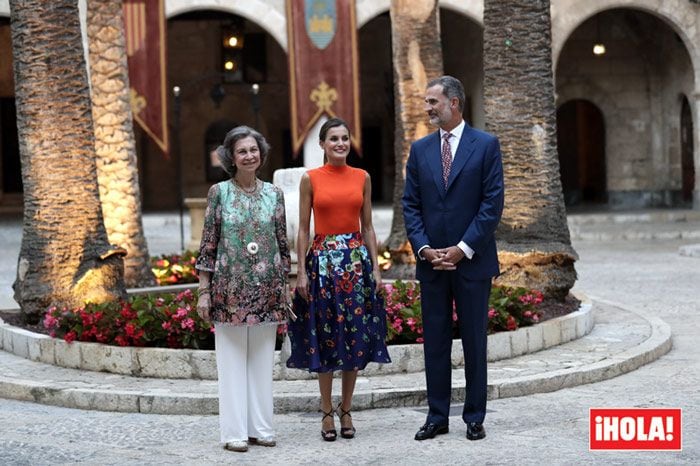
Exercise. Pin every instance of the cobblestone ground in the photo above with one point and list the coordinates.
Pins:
(547, 428)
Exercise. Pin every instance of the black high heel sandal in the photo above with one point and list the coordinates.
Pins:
(345, 432)
(331, 434)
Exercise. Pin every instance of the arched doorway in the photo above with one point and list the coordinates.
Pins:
(581, 147)
(633, 65)
(462, 55)
(198, 53)
(377, 88)
(687, 165)
(377, 106)
(10, 169)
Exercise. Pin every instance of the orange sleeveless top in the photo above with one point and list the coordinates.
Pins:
(338, 193)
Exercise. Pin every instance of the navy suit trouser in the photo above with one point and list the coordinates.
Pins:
(471, 299)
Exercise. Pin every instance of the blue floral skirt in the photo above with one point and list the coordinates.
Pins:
(343, 325)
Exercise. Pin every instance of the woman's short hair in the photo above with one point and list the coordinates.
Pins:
(332, 123)
(225, 151)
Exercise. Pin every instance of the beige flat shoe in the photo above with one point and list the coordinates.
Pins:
(263, 442)
(237, 445)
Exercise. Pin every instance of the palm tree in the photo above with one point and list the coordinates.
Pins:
(65, 258)
(519, 105)
(417, 58)
(117, 171)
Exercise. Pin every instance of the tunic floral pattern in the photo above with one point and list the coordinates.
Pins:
(248, 282)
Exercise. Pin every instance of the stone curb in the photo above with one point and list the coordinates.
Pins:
(652, 216)
(163, 401)
(168, 363)
(689, 233)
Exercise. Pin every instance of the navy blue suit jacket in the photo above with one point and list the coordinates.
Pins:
(468, 210)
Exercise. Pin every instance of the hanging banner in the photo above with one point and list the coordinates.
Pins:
(323, 66)
(144, 28)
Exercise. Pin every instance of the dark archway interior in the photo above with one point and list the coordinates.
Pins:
(687, 165)
(581, 147)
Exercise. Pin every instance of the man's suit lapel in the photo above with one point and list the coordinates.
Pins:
(435, 162)
(464, 150)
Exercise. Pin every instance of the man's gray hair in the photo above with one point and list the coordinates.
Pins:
(225, 151)
(451, 87)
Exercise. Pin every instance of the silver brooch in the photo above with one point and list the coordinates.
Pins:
(252, 248)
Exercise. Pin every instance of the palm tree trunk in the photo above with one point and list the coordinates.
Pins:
(65, 258)
(417, 58)
(117, 171)
(519, 105)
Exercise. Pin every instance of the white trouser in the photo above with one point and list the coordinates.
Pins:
(244, 359)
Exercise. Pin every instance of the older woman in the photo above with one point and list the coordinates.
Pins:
(243, 267)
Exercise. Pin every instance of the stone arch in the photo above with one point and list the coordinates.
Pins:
(568, 15)
(258, 11)
(368, 9)
(643, 79)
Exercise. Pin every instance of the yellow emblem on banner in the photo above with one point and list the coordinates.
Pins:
(322, 24)
(324, 96)
(138, 102)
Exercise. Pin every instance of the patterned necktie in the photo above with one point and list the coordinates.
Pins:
(446, 157)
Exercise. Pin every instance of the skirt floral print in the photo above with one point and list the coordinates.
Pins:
(343, 325)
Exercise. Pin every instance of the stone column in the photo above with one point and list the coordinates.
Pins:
(288, 180)
(313, 154)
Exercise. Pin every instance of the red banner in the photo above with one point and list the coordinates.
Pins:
(323, 66)
(144, 27)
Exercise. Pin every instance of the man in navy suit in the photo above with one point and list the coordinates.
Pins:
(452, 203)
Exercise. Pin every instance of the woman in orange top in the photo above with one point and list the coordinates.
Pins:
(341, 320)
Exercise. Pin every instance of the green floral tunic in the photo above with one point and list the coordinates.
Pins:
(244, 245)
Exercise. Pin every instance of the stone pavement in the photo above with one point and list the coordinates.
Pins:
(649, 277)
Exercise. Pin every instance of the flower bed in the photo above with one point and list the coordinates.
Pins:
(170, 320)
(165, 320)
(509, 309)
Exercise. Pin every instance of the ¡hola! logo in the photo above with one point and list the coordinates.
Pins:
(635, 429)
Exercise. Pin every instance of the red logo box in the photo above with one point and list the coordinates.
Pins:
(635, 429)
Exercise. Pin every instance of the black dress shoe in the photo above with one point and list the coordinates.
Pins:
(430, 431)
(475, 431)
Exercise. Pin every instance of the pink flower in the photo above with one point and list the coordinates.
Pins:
(419, 340)
(50, 321)
(166, 325)
(181, 312)
(188, 324)
(492, 313)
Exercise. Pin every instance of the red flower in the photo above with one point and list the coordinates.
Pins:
(346, 285)
(70, 336)
(511, 324)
